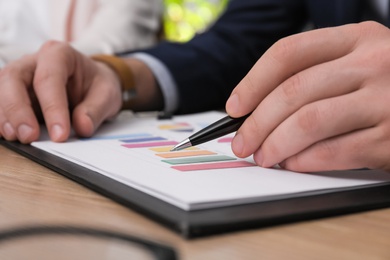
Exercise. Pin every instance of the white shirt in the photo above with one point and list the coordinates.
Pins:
(96, 26)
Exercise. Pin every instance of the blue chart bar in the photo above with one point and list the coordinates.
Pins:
(145, 139)
(116, 137)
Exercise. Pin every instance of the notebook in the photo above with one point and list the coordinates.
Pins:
(129, 158)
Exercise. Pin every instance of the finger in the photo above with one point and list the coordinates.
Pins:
(102, 101)
(288, 57)
(366, 148)
(7, 130)
(315, 83)
(55, 65)
(3, 128)
(316, 122)
(17, 118)
(2, 120)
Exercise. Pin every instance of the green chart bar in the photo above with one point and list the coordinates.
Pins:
(202, 159)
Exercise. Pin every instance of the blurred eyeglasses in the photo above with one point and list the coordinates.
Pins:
(63, 243)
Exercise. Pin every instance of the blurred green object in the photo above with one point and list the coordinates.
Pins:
(184, 18)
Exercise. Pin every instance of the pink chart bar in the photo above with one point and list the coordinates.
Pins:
(152, 144)
(225, 140)
(212, 166)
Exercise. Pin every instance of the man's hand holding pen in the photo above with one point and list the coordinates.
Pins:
(310, 96)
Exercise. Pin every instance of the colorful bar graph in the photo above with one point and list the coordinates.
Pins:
(189, 159)
(213, 166)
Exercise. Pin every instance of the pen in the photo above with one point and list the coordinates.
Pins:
(220, 128)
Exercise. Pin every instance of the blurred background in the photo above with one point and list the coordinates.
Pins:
(184, 18)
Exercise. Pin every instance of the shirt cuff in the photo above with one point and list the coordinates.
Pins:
(164, 79)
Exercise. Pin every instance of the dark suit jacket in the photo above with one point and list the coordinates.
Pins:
(207, 68)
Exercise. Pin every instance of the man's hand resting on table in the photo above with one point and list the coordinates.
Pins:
(60, 86)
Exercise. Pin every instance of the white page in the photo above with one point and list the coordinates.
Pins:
(142, 169)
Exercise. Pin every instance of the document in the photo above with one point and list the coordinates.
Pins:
(134, 149)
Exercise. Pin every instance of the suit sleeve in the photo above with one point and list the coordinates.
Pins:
(207, 68)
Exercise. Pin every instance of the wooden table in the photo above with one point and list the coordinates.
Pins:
(31, 194)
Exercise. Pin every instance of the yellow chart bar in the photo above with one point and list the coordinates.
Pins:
(185, 154)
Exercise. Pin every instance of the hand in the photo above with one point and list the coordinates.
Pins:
(61, 86)
(320, 101)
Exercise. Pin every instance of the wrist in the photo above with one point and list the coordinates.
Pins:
(149, 96)
(124, 75)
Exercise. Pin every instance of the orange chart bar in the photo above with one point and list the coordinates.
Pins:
(185, 154)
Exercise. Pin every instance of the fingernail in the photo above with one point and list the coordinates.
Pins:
(238, 144)
(9, 131)
(233, 104)
(258, 157)
(24, 132)
(56, 132)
